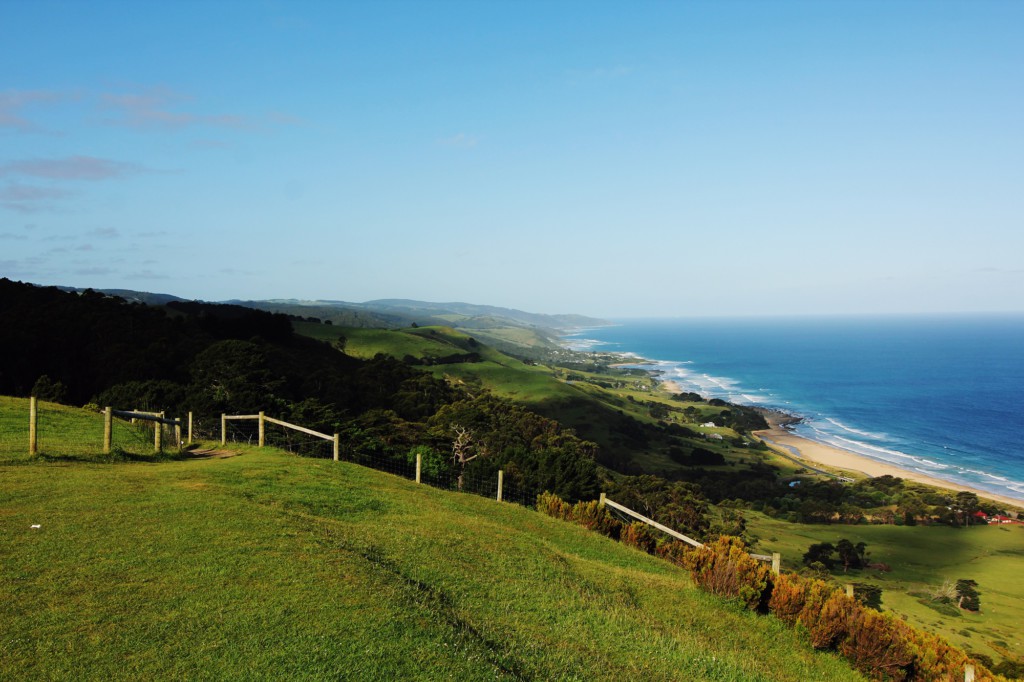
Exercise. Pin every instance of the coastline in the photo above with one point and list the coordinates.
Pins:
(797, 447)
(844, 460)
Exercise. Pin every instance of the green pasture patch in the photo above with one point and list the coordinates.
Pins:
(366, 343)
(268, 566)
(921, 558)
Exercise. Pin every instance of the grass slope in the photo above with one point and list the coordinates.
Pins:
(921, 558)
(265, 566)
(594, 403)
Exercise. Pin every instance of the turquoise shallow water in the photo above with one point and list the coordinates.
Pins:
(940, 395)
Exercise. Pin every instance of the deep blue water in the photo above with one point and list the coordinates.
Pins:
(940, 395)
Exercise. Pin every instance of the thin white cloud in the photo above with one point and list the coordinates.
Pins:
(71, 168)
(14, 102)
(162, 109)
(29, 198)
(19, 192)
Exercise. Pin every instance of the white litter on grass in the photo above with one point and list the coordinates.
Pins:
(36, 525)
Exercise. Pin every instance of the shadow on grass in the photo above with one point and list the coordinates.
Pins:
(116, 456)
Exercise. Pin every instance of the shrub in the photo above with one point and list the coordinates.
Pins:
(674, 551)
(552, 505)
(724, 567)
(876, 645)
(592, 516)
(935, 659)
(833, 622)
(816, 593)
(1011, 669)
(638, 535)
(789, 593)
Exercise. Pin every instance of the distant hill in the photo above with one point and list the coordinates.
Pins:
(508, 329)
(430, 313)
(559, 322)
(131, 296)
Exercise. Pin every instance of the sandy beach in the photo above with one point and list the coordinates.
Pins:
(837, 458)
(671, 386)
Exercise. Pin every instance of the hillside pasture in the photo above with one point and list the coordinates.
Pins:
(921, 559)
(267, 566)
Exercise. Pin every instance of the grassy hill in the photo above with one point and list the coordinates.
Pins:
(264, 565)
(921, 559)
(602, 403)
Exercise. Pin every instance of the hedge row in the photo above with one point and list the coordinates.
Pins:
(879, 645)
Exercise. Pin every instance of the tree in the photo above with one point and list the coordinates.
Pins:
(965, 504)
(49, 390)
(967, 594)
(820, 552)
(847, 554)
(463, 449)
(236, 375)
(912, 507)
(868, 595)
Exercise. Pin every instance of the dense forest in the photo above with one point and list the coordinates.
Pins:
(88, 347)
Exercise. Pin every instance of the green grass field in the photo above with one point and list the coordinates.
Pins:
(266, 566)
(921, 558)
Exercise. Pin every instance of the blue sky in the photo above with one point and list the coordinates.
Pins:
(612, 159)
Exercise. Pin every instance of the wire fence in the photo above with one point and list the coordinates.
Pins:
(477, 478)
(72, 433)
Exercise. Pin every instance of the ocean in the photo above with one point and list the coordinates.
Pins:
(942, 395)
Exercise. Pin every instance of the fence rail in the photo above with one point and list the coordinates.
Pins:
(263, 419)
(33, 427)
(775, 558)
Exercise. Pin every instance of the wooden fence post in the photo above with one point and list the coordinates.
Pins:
(108, 429)
(419, 466)
(158, 434)
(33, 421)
(223, 429)
(263, 430)
(849, 590)
(601, 501)
(337, 447)
(501, 481)
(177, 434)
(776, 563)
(190, 428)
(969, 672)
